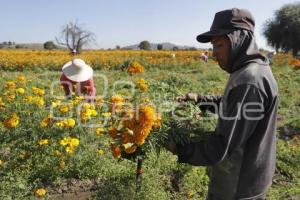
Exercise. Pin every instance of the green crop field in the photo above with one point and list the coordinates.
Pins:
(27, 164)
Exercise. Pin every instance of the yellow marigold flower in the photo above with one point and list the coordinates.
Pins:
(28, 99)
(56, 103)
(86, 106)
(94, 113)
(142, 85)
(117, 99)
(99, 131)
(46, 122)
(74, 142)
(64, 141)
(20, 90)
(38, 91)
(64, 109)
(60, 124)
(43, 142)
(38, 101)
(21, 79)
(41, 192)
(70, 123)
(99, 101)
(10, 85)
(100, 152)
(11, 97)
(1, 162)
(70, 143)
(69, 149)
(12, 121)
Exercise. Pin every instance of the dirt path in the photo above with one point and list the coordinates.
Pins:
(72, 196)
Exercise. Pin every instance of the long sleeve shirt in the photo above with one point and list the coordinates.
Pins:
(82, 88)
(242, 150)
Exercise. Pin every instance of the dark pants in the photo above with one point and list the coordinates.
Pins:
(213, 197)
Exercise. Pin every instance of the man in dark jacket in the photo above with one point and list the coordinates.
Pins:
(242, 151)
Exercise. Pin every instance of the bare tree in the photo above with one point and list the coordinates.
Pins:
(74, 37)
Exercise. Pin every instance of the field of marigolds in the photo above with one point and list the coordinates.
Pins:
(111, 147)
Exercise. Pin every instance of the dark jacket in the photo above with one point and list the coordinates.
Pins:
(242, 150)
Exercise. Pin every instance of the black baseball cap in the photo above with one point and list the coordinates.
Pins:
(227, 21)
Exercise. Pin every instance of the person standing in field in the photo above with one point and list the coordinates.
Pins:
(204, 56)
(77, 77)
(242, 150)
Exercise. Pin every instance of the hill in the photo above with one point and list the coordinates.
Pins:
(166, 45)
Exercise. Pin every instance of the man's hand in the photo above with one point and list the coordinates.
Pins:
(187, 97)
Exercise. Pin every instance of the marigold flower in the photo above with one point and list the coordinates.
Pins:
(38, 91)
(12, 121)
(135, 67)
(20, 90)
(41, 192)
(117, 99)
(100, 152)
(142, 85)
(129, 148)
(43, 142)
(112, 132)
(99, 131)
(21, 79)
(116, 150)
(46, 122)
(64, 109)
(10, 85)
(70, 123)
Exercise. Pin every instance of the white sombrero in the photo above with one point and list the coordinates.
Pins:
(77, 70)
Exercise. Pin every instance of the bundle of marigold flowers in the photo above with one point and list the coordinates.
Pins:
(130, 134)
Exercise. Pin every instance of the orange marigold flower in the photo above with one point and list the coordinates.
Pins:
(116, 150)
(135, 67)
(131, 149)
(112, 132)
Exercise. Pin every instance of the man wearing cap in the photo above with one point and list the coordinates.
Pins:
(242, 151)
(76, 72)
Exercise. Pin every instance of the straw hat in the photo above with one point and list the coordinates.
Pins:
(76, 70)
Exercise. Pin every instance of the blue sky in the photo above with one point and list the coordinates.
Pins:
(124, 22)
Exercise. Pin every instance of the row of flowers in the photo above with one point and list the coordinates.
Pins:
(54, 60)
